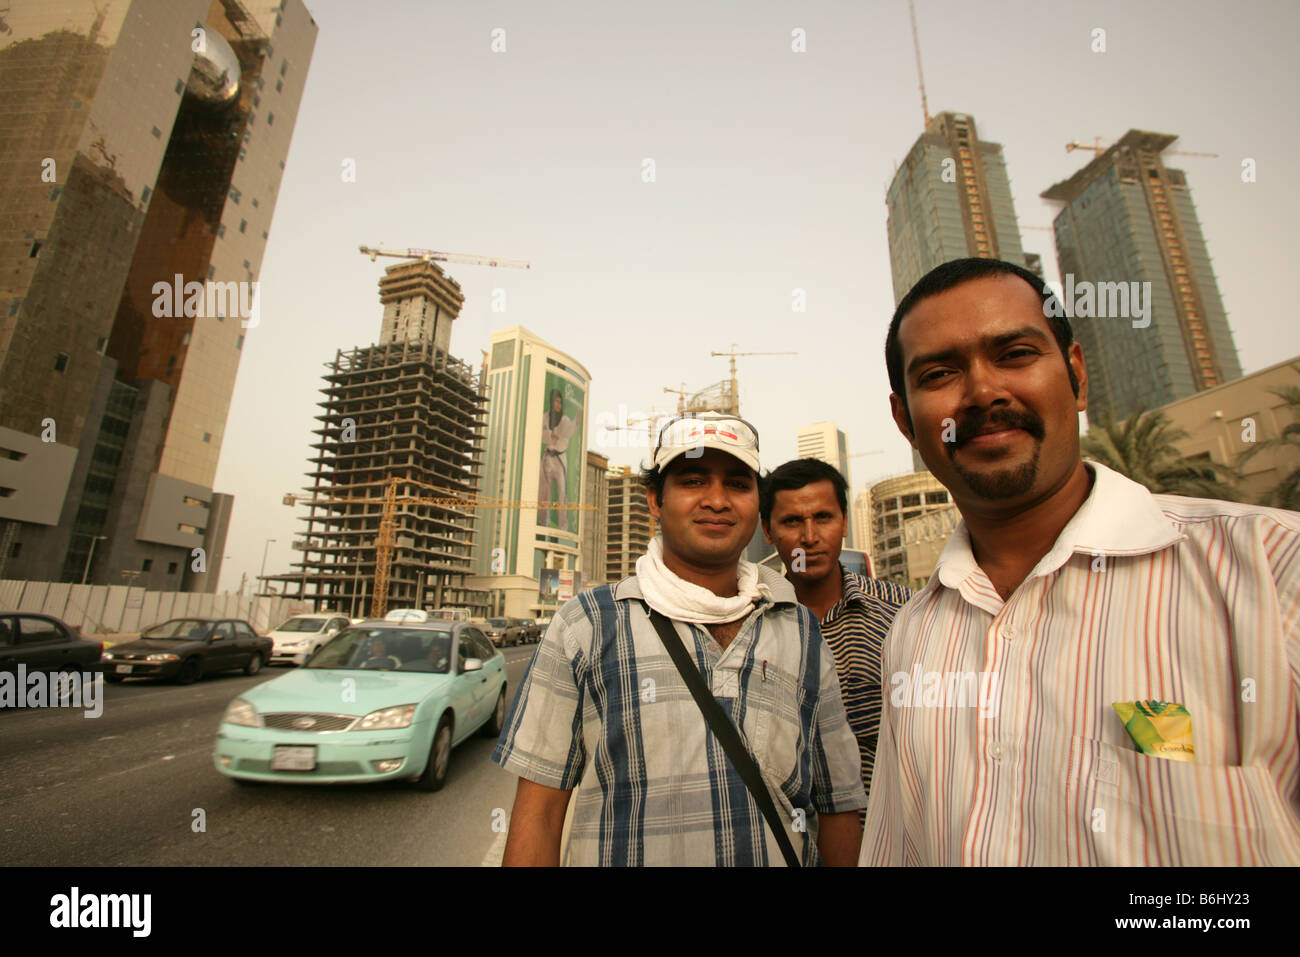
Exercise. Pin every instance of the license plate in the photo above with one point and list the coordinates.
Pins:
(293, 759)
(122, 669)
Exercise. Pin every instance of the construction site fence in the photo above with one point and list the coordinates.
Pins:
(108, 610)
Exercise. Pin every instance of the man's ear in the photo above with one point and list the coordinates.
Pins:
(1080, 374)
(767, 533)
(901, 418)
(652, 501)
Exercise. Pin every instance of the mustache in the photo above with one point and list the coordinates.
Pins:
(970, 426)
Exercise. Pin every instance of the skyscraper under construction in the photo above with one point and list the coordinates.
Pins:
(951, 198)
(1126, 220)
(404, 409)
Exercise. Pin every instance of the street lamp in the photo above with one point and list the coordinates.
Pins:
(86, 572)
(262, 577)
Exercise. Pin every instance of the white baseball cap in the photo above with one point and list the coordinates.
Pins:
(693, 433)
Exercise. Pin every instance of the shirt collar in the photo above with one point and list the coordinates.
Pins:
(1119, 517)
(852, 587)
(782, 590)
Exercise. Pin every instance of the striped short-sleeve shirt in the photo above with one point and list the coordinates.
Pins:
(603, 708)
(999, 740)
(855, 629)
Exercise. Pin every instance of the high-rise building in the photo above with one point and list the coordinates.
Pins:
(950, 199)
(536, 450)
(1129, 220)
(893, 502)
(822, 440)
(631, 526)
(403, 409)
(594, 523)
(861, 521)
(141, 151)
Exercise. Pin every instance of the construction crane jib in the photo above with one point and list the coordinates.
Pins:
(735, 386)
(433, 255)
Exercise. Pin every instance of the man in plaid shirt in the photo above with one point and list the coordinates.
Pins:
(603, 708)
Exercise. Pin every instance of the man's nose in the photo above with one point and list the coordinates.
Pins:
(809, 531)
(985, 385)
(715, 496)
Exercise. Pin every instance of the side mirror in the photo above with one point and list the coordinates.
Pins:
(472, 664)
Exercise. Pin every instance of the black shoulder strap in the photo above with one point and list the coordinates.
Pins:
(725, 732)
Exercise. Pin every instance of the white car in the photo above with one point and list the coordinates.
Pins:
(297, 639)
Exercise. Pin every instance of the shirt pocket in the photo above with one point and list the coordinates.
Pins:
(1131, 808)
(774, 724)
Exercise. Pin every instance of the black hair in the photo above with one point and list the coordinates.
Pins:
(652, 479)
(795, 475)
(953, 273)
(552, 417)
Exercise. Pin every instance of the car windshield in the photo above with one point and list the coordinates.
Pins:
(178, 629)
(498, 623)
(310, 625)
(425, 650)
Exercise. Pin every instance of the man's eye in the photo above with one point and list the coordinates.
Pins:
(1020, 352)
(934, 375)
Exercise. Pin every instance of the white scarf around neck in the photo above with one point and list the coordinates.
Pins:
(676, 598)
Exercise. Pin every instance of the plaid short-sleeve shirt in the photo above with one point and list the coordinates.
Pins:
(603, 708)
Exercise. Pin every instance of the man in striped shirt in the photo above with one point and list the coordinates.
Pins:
(603, 709)
(804, 507)
(1066, 590)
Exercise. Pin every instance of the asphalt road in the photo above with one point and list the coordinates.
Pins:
(124, 789)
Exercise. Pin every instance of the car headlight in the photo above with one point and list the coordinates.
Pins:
(106, 656)
(241, 712)
(163, 656)
(400, 716)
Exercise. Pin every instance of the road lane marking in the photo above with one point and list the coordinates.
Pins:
(496, 852)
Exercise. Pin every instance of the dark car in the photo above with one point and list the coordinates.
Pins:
(186, 649)
(532, 629)
(44, 643)
(504, 632)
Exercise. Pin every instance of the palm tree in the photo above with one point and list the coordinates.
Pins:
(1286, 494)
(1143, 447)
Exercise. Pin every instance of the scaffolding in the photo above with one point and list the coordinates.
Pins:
(403, 410)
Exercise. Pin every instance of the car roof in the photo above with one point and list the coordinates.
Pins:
(433, 624)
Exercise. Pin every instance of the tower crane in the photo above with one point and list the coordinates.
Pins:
(681, 397)
(735, 387)
(429, 255)
(916, 48)
(635, 421)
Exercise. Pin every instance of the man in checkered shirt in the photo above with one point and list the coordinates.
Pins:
(603, 709)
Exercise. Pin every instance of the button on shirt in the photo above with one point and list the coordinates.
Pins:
(855, 629)
(999, 743)
(603, 707)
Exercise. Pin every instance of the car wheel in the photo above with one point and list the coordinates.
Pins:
(435, 772)
(189, 672)
(254, 664)
(494, 725)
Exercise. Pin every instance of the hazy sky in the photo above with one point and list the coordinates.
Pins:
(771, 168)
